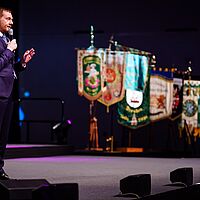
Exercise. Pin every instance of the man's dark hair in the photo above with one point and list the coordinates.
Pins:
(4, 9)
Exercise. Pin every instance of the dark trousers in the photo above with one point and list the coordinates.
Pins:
(6, 107)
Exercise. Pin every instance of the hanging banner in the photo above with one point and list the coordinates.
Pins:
(161, 94)
(177, 97)
(114, 74)
(191, 104)
(90, 81)
(136, 72)
(133, 110)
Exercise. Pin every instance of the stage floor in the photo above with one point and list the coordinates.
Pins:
(98, 176)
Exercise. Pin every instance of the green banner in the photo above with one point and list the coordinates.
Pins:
(90, 82)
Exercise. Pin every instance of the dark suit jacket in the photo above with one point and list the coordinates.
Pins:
(7, 66)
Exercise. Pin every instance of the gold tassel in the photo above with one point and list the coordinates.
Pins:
(196, 133)
(180, 129)
(107, 109)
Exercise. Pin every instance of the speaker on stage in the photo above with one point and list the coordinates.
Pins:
(15, 189)
(182, 175)
(139, 184)
(191, 192)
(37, 189)
(60, 191)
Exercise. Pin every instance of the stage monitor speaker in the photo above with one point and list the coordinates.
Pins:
(16, 189)
(60, 191)
(139, 184)
(191, 192)
(183, 175)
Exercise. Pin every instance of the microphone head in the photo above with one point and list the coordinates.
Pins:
(10, 32)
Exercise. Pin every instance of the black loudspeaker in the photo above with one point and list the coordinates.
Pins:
(191, 192)
(61, 191)
(139, 184)
(183, 175)
(20, 189)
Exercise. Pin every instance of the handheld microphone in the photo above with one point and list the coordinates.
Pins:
(10, 32)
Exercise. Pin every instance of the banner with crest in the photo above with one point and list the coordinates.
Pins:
(177, 97)
(114, 74)
(133, 110)
(161, 94)
(90, 76)
(191, 105)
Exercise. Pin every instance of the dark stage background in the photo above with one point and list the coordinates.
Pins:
(170, 30)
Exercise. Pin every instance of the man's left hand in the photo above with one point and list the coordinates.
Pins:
(28, 56)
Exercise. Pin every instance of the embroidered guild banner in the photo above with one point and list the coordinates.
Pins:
(133, 110)
(191, 100)
(90, 81)
(114, 74)
(161, 94)
(177, 97)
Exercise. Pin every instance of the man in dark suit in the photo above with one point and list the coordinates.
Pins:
(8, 67)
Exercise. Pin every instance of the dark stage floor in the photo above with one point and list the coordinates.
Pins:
(97, 175)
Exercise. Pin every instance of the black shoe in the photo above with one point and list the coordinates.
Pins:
(4, 176)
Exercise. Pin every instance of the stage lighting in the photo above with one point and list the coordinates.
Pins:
(60, 130)
(182, 175)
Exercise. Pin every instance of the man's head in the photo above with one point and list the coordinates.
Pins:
(6, 20)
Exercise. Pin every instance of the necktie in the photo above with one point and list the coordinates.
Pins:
(5, 39)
